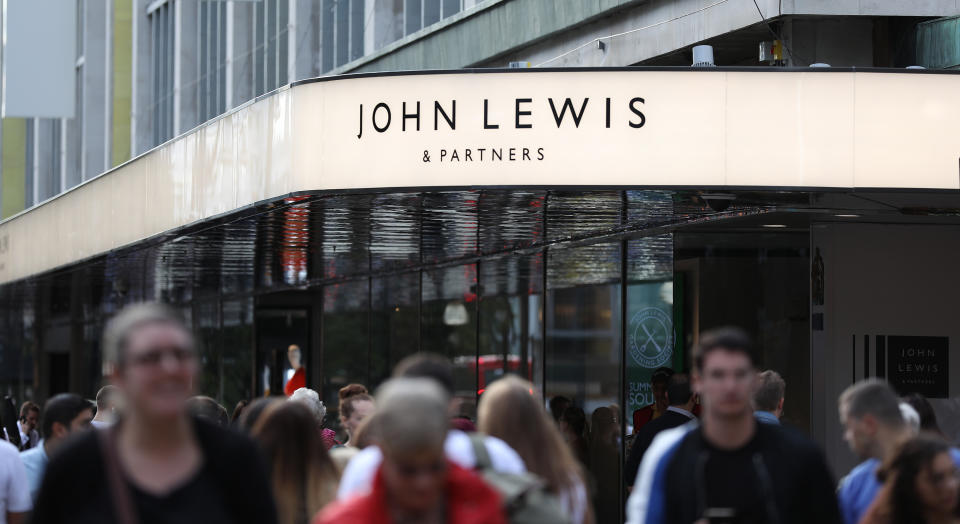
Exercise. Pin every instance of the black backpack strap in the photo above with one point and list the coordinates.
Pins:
(480, 451)
(120, 496)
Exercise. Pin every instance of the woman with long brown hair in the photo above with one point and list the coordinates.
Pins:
(510, 411)
(921, 485)
(303, 475)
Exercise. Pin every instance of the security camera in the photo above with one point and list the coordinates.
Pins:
(718, 201)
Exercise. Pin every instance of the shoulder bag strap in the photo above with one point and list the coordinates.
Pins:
(119, 491)
(480, 451)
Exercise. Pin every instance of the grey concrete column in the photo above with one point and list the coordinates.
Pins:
(241, 54)
(141, 115)
(94, 78)
(305, 38)
(186, 66)
(73, 136)
(327, 35)
(46, 181)
(387, 25)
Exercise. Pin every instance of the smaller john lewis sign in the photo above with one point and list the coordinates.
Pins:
(919, 365)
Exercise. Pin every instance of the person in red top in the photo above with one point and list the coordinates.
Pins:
(658, 385)
(416, 483)
(299, 378)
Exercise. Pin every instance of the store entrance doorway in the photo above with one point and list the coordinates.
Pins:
(277, 331)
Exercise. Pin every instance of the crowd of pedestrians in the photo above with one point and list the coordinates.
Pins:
(710, 449)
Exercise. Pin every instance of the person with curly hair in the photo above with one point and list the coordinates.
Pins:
(356, 404)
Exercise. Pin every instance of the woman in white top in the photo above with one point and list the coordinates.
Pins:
(511, 411)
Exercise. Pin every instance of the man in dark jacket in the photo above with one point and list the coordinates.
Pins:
(730, 468)
(681, 401)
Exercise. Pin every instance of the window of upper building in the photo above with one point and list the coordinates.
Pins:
(162, 31)
(212, 63)
(271, 49)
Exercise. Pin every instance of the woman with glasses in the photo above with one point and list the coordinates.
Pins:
(920, 485)
(157, 463)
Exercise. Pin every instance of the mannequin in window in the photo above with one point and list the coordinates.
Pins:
(299, 378)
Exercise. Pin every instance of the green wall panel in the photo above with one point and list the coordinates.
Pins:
(938, 43)
(122, 79)
(14, 166)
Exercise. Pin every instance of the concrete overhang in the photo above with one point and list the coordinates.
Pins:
(587, 128)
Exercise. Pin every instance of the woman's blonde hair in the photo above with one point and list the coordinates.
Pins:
(303, 475)
(510, 410)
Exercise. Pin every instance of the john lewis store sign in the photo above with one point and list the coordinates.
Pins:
(646, 128)
(565, 110)
(627, 128)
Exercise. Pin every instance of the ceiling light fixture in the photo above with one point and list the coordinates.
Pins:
(847, 216)
(778, 226)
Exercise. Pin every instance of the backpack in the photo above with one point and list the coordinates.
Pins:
(525, 497)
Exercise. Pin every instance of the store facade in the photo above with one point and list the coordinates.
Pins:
(576, 227)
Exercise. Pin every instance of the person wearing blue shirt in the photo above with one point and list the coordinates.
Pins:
(768, 398)
(874, 428)
(62, 415)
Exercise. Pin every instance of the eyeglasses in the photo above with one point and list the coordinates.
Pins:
(155, 357)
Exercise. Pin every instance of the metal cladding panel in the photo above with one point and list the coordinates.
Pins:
(39, 58)
(628, 129)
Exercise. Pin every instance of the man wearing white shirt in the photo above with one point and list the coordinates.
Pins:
(362, 468)
(14, 493)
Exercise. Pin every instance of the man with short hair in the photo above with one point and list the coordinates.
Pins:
(416, 481)
(558, 405)
(658, 387)
(27, 424)
(874, 428)
(681, 401)
(730, 468)
(62, 415)
(768, 399)
(106, 415)
(358, 477)
(208, 409)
